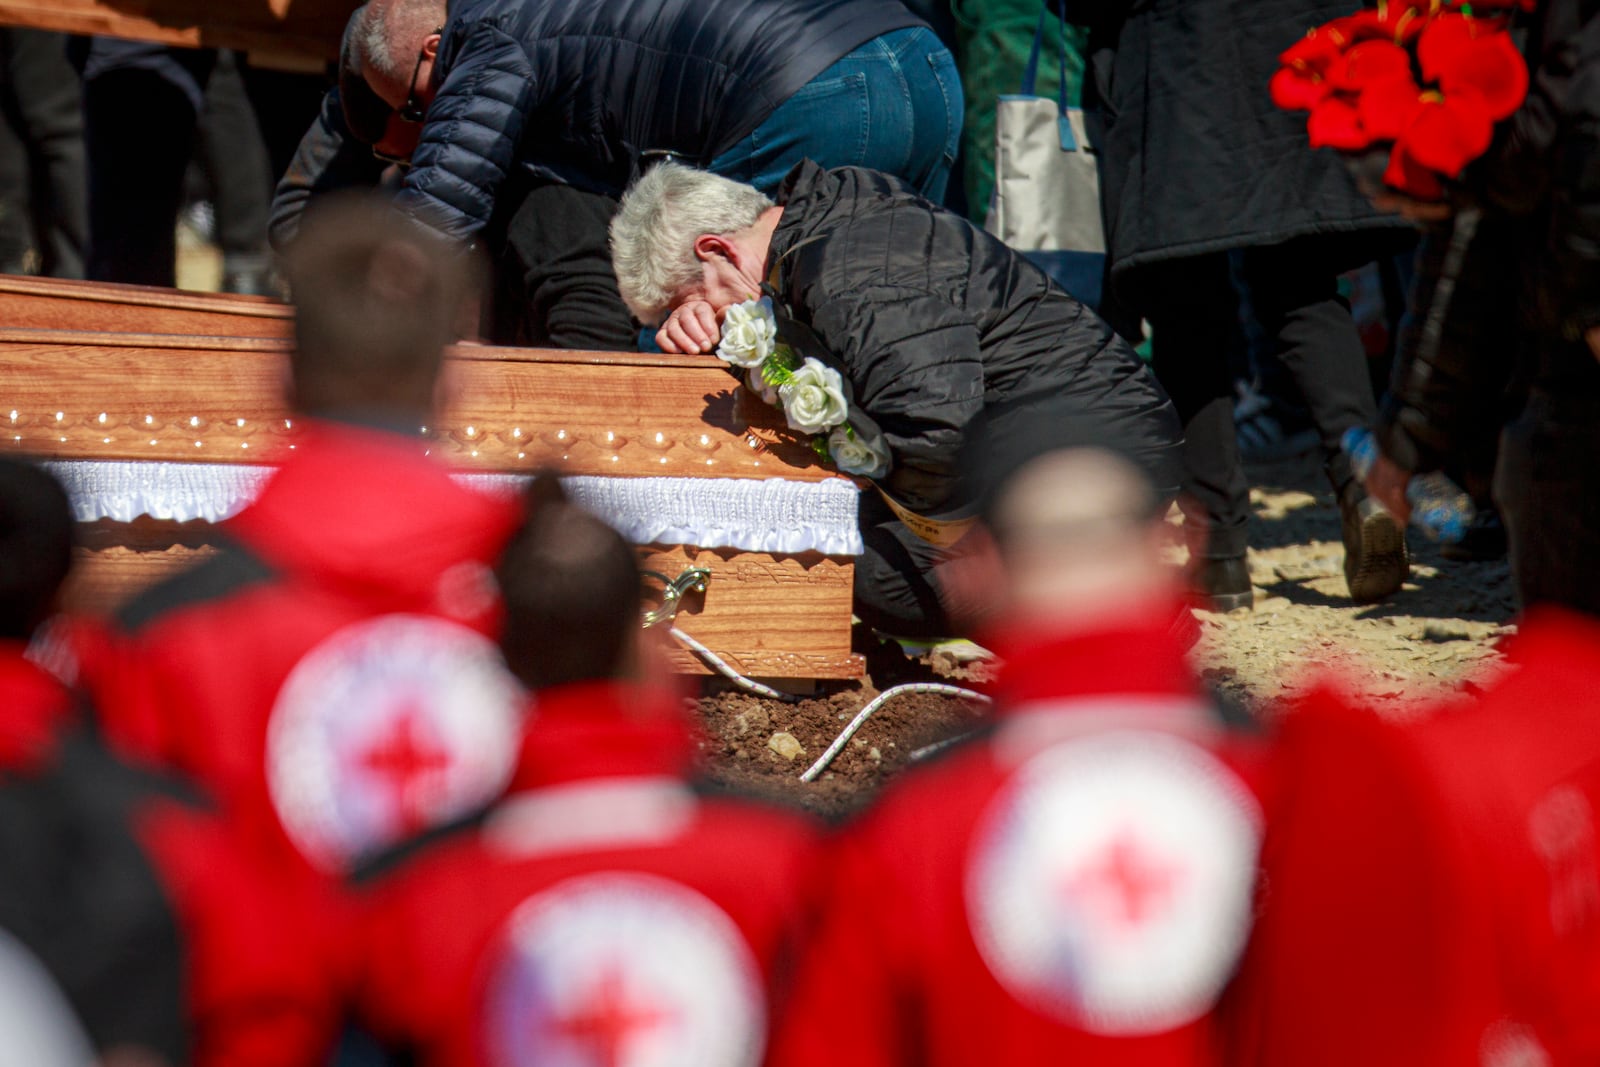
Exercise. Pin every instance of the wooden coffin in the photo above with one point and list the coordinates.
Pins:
(56, 304)
(214, 403)
(293, 34)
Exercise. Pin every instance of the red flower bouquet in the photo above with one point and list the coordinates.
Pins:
(1426, 79)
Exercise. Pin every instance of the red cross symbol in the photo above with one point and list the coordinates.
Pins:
(1134, 883)
(403, 758)
(609, 1020)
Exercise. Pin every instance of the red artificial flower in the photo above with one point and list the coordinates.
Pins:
(1404, 174)
(1301, 81)
(1367, 62)
(1448, 132)
(1334, 123)
(1463, 53)
(1388, 104)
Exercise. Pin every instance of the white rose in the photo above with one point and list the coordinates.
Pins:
(758, 385)
(813, 398)
(859, 454)
(749, 334)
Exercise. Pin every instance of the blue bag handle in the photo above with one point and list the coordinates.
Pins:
(1030, 73)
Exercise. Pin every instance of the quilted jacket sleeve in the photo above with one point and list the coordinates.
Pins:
(912, 358)
(327, 158)
(470, 139)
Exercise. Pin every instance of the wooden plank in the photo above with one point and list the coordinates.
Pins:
(72, 395)
(56, 304)
(768, 616)
(301, 34)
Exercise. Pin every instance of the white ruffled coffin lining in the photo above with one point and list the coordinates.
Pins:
(754, 515)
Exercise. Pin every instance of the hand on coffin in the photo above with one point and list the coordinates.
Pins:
(691, 328)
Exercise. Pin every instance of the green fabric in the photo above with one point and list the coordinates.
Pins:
(993, 38)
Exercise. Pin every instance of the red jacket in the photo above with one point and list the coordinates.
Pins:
(1439, 877)
(1074, 888)
(329, 676)
(603, 910)
(36, 706)
(149, 886)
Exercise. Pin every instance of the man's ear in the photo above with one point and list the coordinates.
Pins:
(710, 246)
(430, 44)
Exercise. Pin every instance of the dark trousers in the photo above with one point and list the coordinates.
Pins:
(141, 108)
(554, 284)
(235, 161)
(895, 590)
(43, 203)
(1547, 483)
(1192, 307)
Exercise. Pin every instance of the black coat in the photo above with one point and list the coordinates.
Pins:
(934, 322)
(1195, 156)
(1530, 237)
(580, 89)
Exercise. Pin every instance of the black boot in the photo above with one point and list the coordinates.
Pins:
(1223, 585)
(1375, 558)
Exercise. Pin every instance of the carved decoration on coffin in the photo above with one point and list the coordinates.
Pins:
(156, 397)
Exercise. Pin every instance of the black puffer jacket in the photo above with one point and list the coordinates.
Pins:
(580, 88)
(933, 322)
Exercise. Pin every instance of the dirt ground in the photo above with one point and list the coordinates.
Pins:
(1441, 628)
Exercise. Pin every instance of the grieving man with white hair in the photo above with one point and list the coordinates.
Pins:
(892, 326)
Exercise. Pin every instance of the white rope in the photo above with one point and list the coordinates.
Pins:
(720, 665)
(865, 713)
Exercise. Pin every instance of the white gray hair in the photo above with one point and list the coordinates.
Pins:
(653, 233)
(391, 31)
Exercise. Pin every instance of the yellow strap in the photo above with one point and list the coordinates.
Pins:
(941, 533)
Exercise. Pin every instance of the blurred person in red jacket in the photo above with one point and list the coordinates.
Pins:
(166, 937)
(604, 912)
(331, 675)
(1435, 898)
(1075, 885)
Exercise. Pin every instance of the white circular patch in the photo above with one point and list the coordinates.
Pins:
(387, 728)
(622, 970)
(1110, 884)
(39, 1025)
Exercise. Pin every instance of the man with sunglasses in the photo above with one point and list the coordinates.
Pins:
(518, 124)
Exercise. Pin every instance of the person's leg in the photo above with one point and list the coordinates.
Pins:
(235, 161)
(1296, 291)
(16, 232)
(139, 128)
(555, 282)
(1548, 485)
(893, 104)
(895, 591)
(1191, 305)
(49, 103)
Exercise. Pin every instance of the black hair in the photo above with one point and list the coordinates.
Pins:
(36, 534)
(572, 594)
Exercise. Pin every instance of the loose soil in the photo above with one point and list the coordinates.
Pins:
(1440, 629)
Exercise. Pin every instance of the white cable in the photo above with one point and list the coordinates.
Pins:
(865, 713)
(719, 665)
(939, 746)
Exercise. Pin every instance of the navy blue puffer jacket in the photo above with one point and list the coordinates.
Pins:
(579, 89)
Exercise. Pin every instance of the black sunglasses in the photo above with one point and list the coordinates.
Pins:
(413, 110)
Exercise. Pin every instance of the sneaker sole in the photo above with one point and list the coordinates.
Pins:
(1383, 564)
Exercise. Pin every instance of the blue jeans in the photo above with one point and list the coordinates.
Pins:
(894, 105)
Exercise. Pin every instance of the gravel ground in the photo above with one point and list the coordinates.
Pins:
(1443, 625)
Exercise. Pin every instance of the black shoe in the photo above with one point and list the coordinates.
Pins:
(1223, 585)
(1375, 559)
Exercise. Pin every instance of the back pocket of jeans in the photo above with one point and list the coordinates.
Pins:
(829, 119)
